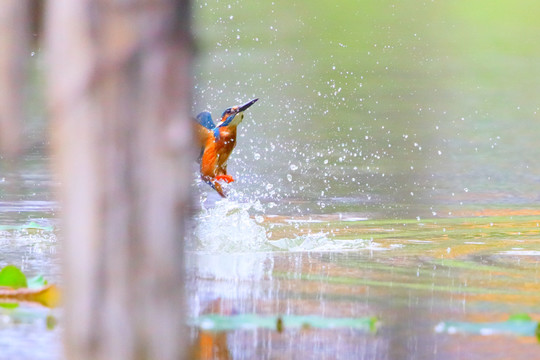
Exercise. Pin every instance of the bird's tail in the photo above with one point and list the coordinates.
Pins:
(215, 185)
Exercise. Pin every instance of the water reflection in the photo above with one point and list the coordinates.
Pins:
(228, 278)
(368, 111)
(28, 240)
(428, 272)
(275, 284)
(420, 117)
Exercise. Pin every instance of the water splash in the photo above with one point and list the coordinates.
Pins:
(321, 242)
(229, 226)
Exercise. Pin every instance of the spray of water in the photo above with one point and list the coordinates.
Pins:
(236, 226)
(229, 227)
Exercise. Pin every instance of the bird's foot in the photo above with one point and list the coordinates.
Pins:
(227, 178)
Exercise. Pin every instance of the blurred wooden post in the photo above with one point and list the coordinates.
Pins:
(14, 54)
(119, 98)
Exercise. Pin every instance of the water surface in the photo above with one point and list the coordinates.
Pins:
(389, 171)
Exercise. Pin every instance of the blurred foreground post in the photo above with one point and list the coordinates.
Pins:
(119, 96)
(14, 54)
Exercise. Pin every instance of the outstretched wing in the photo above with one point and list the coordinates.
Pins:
(203, 127)
(205, 119)
(206, 131)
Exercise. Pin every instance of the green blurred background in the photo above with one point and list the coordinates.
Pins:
(398, 108)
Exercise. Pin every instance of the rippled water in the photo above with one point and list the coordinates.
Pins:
(229, 226)
(389, 171)
(28, 240)
(414, 276)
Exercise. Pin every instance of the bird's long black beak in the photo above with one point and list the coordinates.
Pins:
(247, 105)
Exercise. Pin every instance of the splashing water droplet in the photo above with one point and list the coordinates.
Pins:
(228, 227)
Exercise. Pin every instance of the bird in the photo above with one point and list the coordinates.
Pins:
(217, 141)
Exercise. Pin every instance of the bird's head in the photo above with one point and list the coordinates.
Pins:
(234, 115)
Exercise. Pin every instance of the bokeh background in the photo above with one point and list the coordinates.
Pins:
(400, 109)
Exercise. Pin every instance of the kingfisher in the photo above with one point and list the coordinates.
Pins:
(217, 141)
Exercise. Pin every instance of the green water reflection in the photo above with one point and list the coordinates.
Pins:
(399, 106)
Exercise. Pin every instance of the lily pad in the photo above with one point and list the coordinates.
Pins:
(519, 324)
(15, 288)
(37, 282)
(217, 322)
(30, 227)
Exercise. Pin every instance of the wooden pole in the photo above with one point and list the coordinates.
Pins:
(119, 98)
(14, 55)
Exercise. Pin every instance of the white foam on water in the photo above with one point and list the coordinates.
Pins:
(521, 252)
(322, 242)
(229, 226)
(292, 221)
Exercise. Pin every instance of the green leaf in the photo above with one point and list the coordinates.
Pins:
(9, 305)
(520, 317)
(218, 322)
(30, 227)
(519, 324)
(12, 277)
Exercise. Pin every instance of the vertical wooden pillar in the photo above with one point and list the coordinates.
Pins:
(14, 54)
(119, 98)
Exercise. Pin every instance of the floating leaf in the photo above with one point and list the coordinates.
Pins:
(14, 288)
(216, 322)
(9, 305)
(48, 296)
(519, 324)
(30, 227)
(520, 317)
(37, 282)
(12, 277)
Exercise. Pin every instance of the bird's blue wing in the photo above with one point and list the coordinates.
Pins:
(205, 129)
(205, 119)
